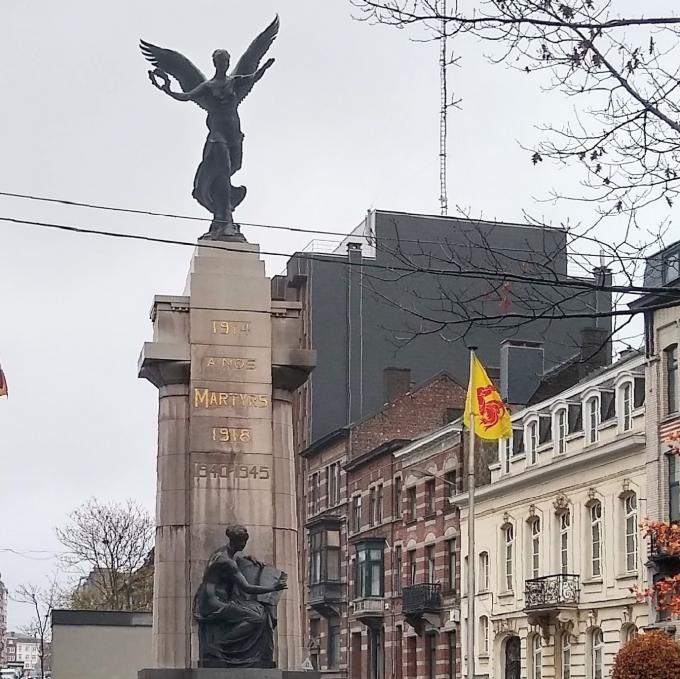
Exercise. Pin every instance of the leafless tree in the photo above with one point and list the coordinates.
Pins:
(623, 68)
(42, 600)
(110, 546)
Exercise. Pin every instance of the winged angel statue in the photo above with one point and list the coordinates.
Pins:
(220, 97)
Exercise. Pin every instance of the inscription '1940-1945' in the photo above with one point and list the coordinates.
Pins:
(204, 470)
(205, 398)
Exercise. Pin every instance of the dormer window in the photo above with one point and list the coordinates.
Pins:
(592, 419)
(561, 428)
(532, 442)
(671, 267)
(626, 406)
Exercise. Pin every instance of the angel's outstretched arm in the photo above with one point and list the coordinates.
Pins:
(164, 86)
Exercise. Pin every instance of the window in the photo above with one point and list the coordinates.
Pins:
(356, 513)
(314, 493)
(411, 509)
(566, 656)
(412, 567)
(535, 566)
(674, 483)
(379, 501)
(561, 427)
(430, 564)
(451, 648)
(671, 267)
(596, 539)
(596, 650)
(592, 419)
(371, 569)
(431, 655)
(484, 572)
(628, 633)
(565, 526)
(324, 556)
(631, 515)
(372, 507)
(451, 483)
(397, 497)
(626, 414)
(506, 454)
(484, 635)
(333, 648)
(333, 484)
(671, 369)
(430, 497)
(508, 538)
(451, 565)
(398, 565)
(532, 442)
(536, 657)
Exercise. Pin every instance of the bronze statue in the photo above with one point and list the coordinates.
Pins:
(220, 97)
(235, 607)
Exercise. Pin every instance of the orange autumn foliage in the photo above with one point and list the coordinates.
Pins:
(653, 655)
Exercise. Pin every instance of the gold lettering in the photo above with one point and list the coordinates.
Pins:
(213, 398)
(200, 398)
(223, 398)
(211, 362)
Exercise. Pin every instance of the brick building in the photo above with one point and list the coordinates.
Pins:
(379, 548)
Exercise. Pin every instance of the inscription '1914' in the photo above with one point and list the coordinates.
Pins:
(230, 327)
(204, 398)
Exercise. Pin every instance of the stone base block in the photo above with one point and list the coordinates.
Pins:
(227, 673)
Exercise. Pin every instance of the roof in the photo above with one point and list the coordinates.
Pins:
(101, 618)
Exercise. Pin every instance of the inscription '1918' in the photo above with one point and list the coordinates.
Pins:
(234, 471)
(230, 327)
(204, 398)
(230, 435)
(231, 363)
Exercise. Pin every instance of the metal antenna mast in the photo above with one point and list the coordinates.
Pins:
(443, 65)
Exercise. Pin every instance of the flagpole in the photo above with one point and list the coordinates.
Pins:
(471, 537)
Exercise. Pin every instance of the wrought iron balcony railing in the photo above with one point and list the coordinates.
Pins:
(325, 592)
(551, 591)
(423, 598)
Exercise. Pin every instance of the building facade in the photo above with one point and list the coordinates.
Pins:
(363, 520)
(558, 545)
(23, 649)
(3, 623)
(356, 303)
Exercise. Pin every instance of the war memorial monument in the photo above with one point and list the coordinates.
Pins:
(226, 359)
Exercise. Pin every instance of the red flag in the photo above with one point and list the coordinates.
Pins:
(3, 385)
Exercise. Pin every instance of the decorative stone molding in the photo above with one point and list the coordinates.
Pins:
(561, 503)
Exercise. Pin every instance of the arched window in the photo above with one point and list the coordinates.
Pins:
(631, 528)
(508, 539)
(484, 571)
(535, 565)
(596, 670)
(561, 428)
(532, 442)
(592, 419)
(628, 632)
(565, 529)
(596, 539)
(566, 656)
(626, 410)
(484, 635)
(670, 360)
(536, 657)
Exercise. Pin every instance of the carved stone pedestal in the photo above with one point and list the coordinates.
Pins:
(226, 360)
(226, 674)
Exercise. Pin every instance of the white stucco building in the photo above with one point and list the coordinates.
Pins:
(558, 545)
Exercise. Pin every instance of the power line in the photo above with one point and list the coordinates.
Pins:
(477, 274)
(295, 229)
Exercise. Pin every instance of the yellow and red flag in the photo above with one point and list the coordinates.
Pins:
(3, 385)
(491, 417)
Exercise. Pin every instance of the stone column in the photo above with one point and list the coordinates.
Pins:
(226, 360)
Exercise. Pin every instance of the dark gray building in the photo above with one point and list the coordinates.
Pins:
(414, 291)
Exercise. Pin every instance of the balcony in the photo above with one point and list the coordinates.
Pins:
(422, 605)
(545, 597)
(324, 597)
(369, 610)
(666, 562)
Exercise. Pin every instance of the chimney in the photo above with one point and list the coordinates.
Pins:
(595, 349)
(521, 370)
(396, 381)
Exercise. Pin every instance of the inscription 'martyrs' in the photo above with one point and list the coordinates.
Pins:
(230, 363)
(205, 398)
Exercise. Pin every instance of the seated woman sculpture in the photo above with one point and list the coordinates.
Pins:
(235, 607)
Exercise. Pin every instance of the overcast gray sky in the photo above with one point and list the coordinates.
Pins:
(346, 120)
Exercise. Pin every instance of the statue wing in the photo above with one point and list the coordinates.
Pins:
(175, 64)
(249, 63)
